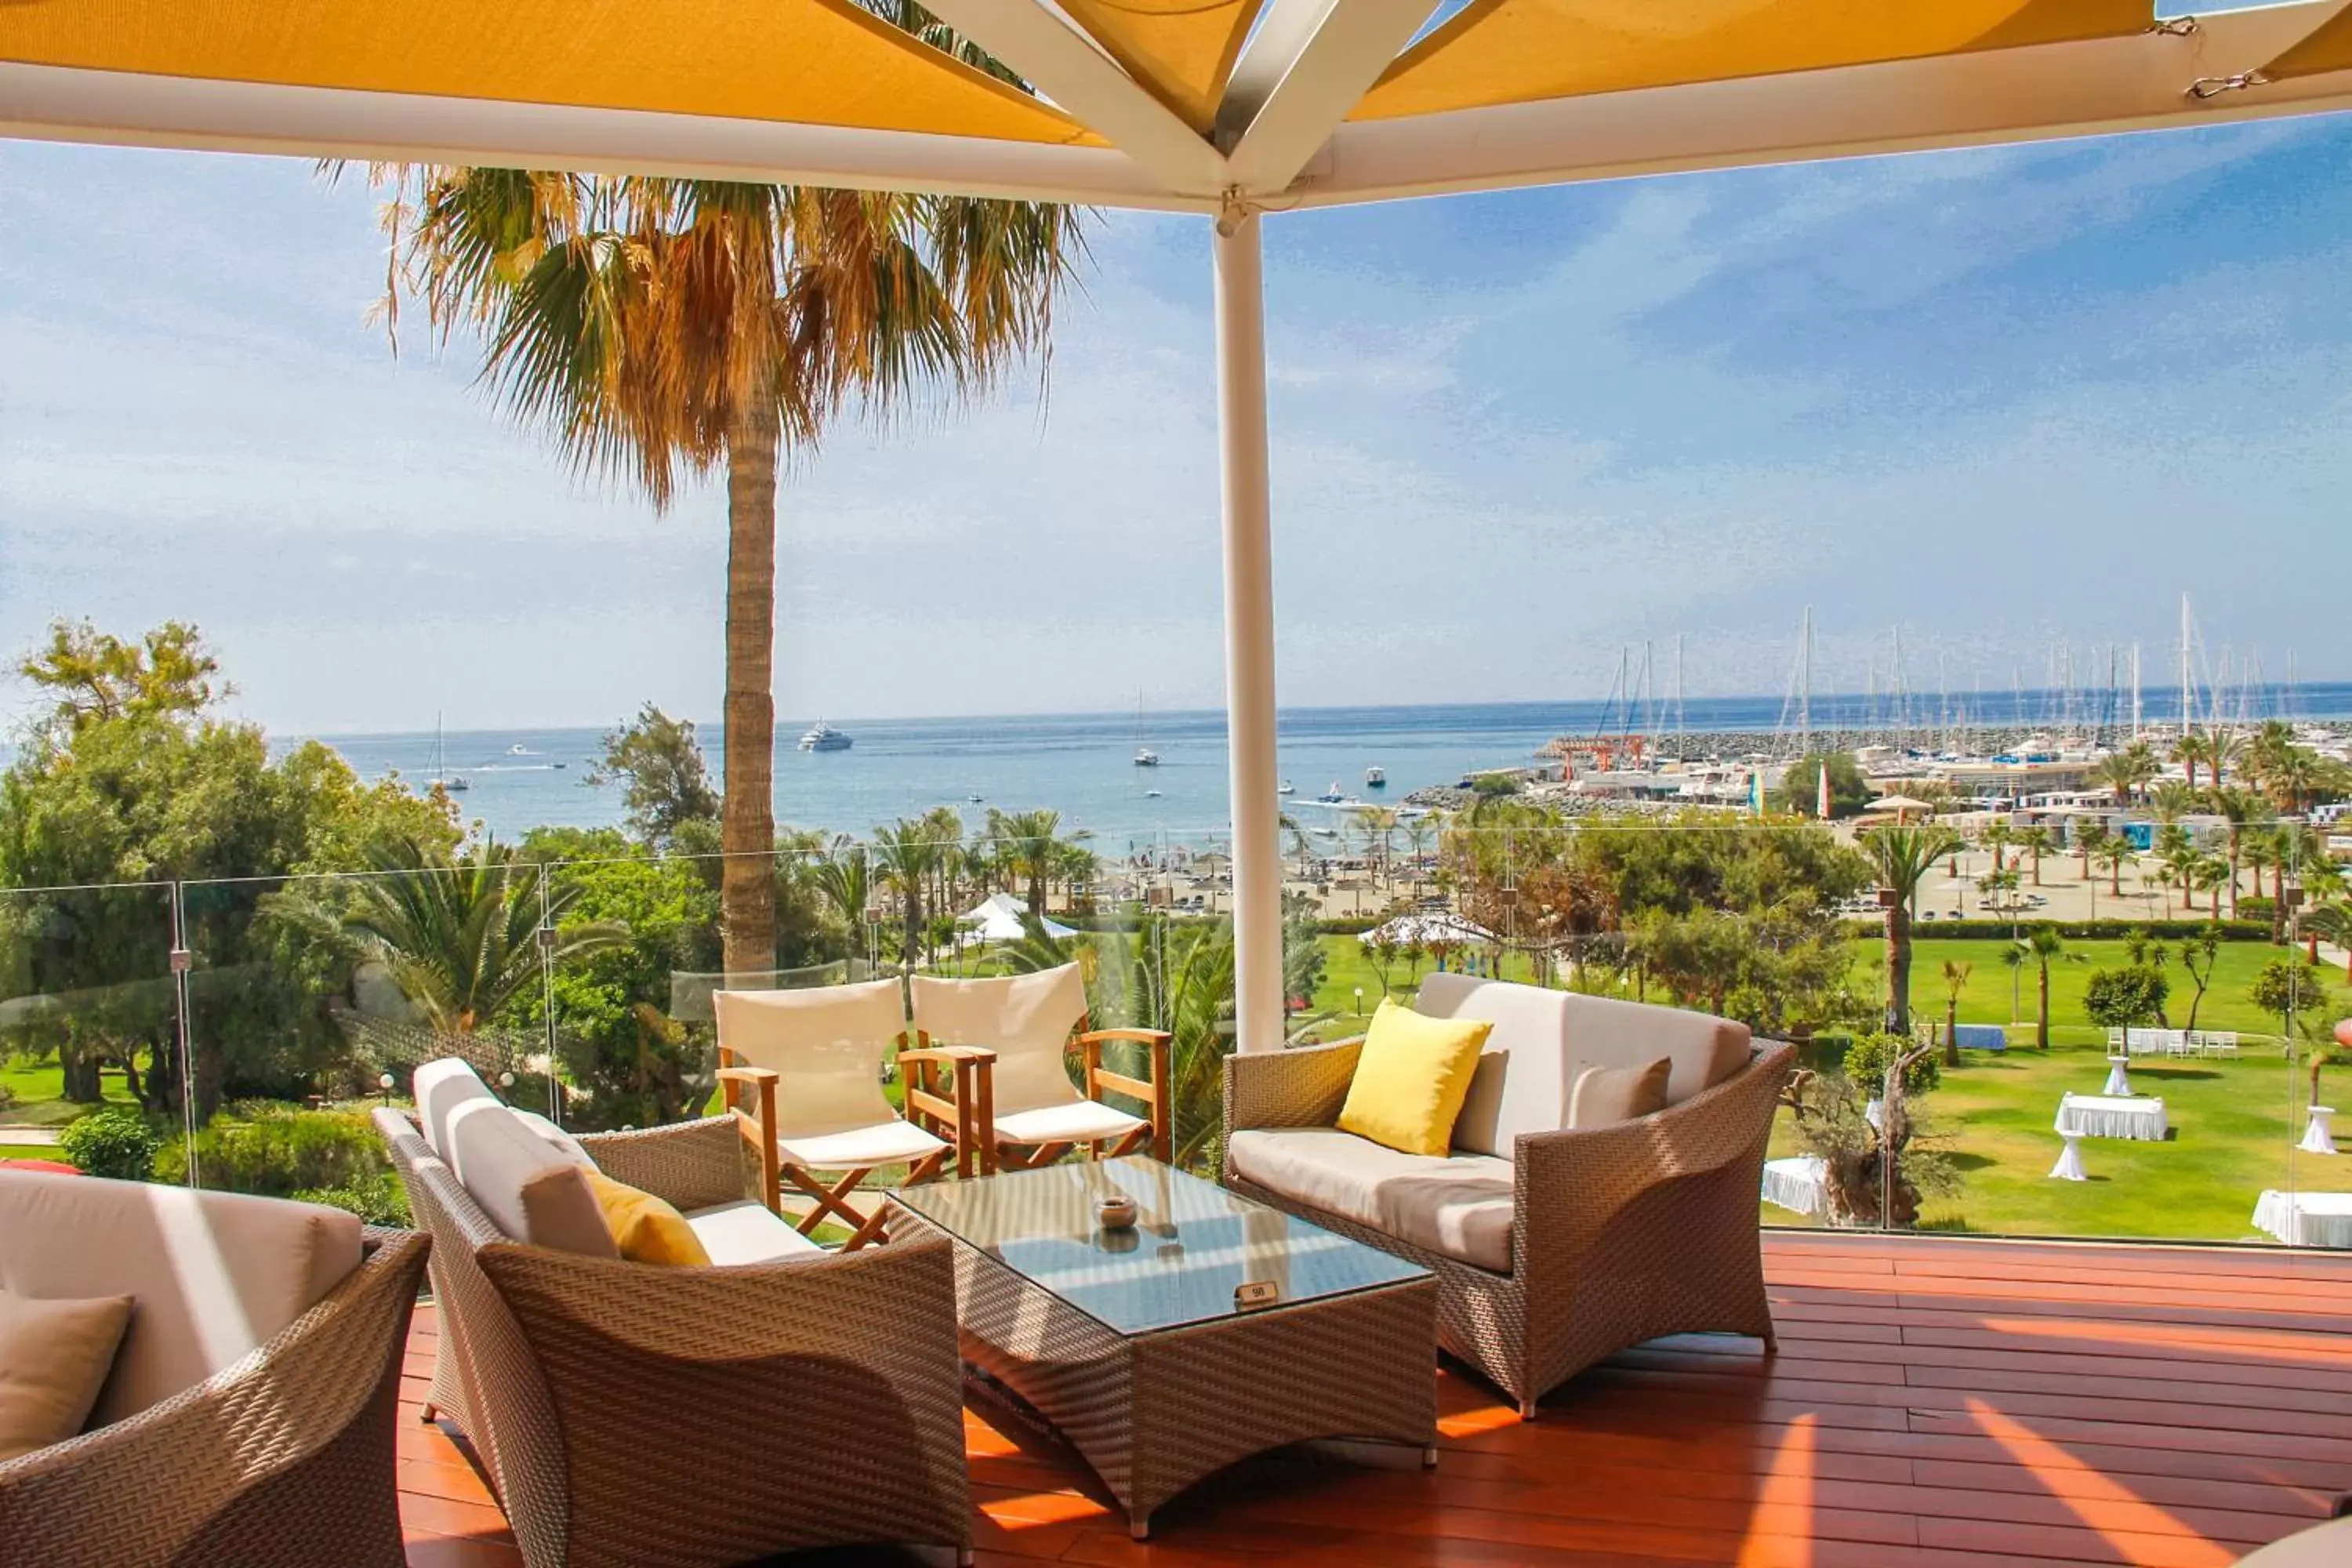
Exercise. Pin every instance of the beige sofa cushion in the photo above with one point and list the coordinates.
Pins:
(1543, 1040)
(439, 1089)
(1606, 1095)
(745, 1232)
(54, 1358)
(1458, 1205)
(212, 1276)
(527, 1184)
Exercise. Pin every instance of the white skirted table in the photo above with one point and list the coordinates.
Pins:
(2069, 1167)
(2306, 1219)
(2112, 1116)
(2118, 1076)
(2317, 1137)
(1800, 1184)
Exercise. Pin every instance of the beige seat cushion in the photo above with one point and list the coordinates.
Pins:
(212, 1276)
(527, 1185)
(1080, 1121)
(1543, 1040)
(746, 1232)
(54, 1358)
(440, 1087)
(890, 1142)
(1603, 1095)
(1459, 1204)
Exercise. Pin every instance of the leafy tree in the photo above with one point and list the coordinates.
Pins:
(2127, 997)
(130, 779)
(2293, 990)
(661, 328)
(1303, 958)
(663, 781)
(2198, 955)
(1800, 792)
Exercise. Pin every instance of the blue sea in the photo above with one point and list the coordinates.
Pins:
(1082, 765)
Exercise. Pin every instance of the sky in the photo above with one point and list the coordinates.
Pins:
(1994, 398)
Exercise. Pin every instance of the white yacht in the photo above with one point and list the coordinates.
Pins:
(1285, 787)
(1145, 757)
(823, 737)
(1376, 778)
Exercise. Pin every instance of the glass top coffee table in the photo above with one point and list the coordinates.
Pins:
(1213, 1328)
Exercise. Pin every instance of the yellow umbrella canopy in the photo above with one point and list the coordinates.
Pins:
(821, 62)
(1182, 50)
(1517, 51)
(2329, 49)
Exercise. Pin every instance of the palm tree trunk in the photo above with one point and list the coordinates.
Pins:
(1898, 968)
(2041, 1018)
(747, 883)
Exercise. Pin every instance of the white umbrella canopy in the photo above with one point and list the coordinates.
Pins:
(1899, 803)
(1429, 930)
(1001, 917)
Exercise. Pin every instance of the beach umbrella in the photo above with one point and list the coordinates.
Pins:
(1228, 108)
(1428, 930)
(1001, 917)
(1901, 805)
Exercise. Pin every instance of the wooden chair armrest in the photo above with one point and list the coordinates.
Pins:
(951, 1090)
(946, 1053)
(757, 1126)
(1152, 1091)
(748, 1075)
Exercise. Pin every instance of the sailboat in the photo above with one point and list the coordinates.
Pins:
(453, 782)
(1145, 757)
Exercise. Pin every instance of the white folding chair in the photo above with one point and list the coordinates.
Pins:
(813, 1059)
(1020, 1030)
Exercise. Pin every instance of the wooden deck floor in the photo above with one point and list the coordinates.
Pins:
(1936, 1403)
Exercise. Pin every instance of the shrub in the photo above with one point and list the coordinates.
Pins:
(2252, 908)
(114, 1142)
(1869, 1057)
(379, 1199)
(278, 1152)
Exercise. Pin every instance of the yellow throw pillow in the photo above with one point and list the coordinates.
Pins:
(1411, 1079)
(645, 1229)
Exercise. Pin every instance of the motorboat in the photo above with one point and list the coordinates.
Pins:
(1335, 795)
(1376, 778)
(1285, 787)
(1145, 757)
(823, 737)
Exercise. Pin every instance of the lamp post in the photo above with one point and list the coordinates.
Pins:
(383, 1082)
(1360, 1001)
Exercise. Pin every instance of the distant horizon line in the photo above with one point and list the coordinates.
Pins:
(2154, 714)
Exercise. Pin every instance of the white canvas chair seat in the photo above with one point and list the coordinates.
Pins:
(884, 1143)
(746, 1232)
(811, 1062)
(1080, 1121)
(1014, 1099)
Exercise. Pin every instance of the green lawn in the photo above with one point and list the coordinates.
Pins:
(1986, 998)
(36, 1092)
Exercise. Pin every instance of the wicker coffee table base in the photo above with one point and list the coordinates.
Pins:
(1154, 1413)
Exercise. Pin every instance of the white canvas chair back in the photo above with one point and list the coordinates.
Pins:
(825, 1046)
(1026, 1019)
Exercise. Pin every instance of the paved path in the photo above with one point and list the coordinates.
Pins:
(47, 1136)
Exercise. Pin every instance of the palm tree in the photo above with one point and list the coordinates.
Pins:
(2115, 852)
(2085, 838)
(2172, 800)
(2042, 947)
(2239, 810)
(2223, 750)
(660, 328)
(1902, 857)
(1027, 843)
(1377, 826)
(460, 938)
(2191, 750)
(1997, 836)
(846, 877)
(2036, 842)
(905, 853)
(1420, 832)
(1956, 980)
(2331, 922)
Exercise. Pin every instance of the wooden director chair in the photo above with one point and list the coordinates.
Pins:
(810, 1063)
(993, 1059)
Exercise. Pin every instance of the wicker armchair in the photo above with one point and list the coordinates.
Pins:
(282, 1460)
(1618, 1234)
(628, 1414)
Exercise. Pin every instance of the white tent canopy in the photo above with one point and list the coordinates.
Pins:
(1429, 931)
(1001, 917)
(1230, 107)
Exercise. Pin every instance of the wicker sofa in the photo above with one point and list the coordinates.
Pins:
(626, 1414)
(1553, 1248)
(252, 1407)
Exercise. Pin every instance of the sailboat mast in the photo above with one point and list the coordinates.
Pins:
(1805, 686)
(2187, 681)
